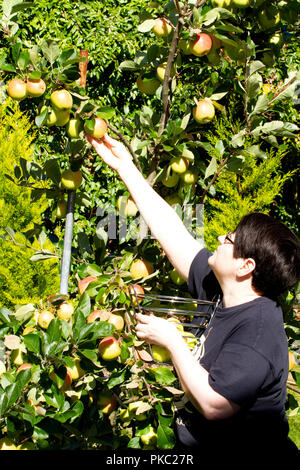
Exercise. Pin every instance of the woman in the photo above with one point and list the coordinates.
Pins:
(236, 391)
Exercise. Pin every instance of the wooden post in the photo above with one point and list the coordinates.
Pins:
(68, 237)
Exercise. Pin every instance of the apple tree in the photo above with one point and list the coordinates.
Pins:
(207, 131)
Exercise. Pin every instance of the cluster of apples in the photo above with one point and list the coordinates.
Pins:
(59, 113)
(203, 44)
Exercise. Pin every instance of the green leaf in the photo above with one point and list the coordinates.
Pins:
(165, 437)
(129, 65)
(51, 51)
(39, 433)
(218, 96)
(3, 403)
(23, 60)
(162, 375)
(33, 343)
(35, 75)
(41, 256)
(41, 118)
(15, 51)
(253, 85)
(116, 378)
(261, 105)
(212, 168)
(255, 67)
(146, 26)
(52, 170)
(84, 305)
(68, 57)
(106, 112)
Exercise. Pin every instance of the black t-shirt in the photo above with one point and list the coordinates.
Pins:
(246, 355)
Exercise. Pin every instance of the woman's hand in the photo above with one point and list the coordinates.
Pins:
(112, 152)
(157, 330)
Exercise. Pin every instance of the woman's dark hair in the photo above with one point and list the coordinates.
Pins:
(275, 250)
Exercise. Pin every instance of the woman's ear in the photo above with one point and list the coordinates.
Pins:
(246, 267)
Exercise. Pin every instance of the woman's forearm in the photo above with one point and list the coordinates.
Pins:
(194, 381)
(162, 220)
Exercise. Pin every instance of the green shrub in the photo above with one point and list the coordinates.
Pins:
(21, 280)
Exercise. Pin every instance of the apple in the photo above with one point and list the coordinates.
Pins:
(150, 437)
(117, 321)
(240, 3)
(136, 292)
(44, 318)
(61, 99)
(27, 330)
(105, 315)
(201, 45)
(204, 111)
(147, 84)
(162, 28)
(109, 348)
(179, 164)
(61, 209)
(2, 368)
(185, 46)
(65, 311)
(102, 315)
(170, 179)
(141, 268)
(67, 380)
(177, 323)
(83, 283)
(292, 360)
(160, 353)
(99, 130)
(7, 444)
(107, 402)
(161, 70)
(176, 278)
(24, 366)
(35, 88)
(17, 89)
(221, 3)
(268, 18)
(126, 206)
(56, 117)
(133, 408)
(190, 177)
(74, 127)
(71, 180)
(16, 357)
(190, 339)
(76, 372)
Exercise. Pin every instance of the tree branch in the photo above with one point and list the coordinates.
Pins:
(127, 145)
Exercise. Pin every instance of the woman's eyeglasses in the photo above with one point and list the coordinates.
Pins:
(228, 240)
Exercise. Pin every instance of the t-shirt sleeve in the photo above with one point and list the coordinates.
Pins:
(239, 373)
(202, 282)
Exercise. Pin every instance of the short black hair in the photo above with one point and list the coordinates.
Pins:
(275, 249)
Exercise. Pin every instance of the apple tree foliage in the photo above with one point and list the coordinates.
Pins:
(251, 78)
